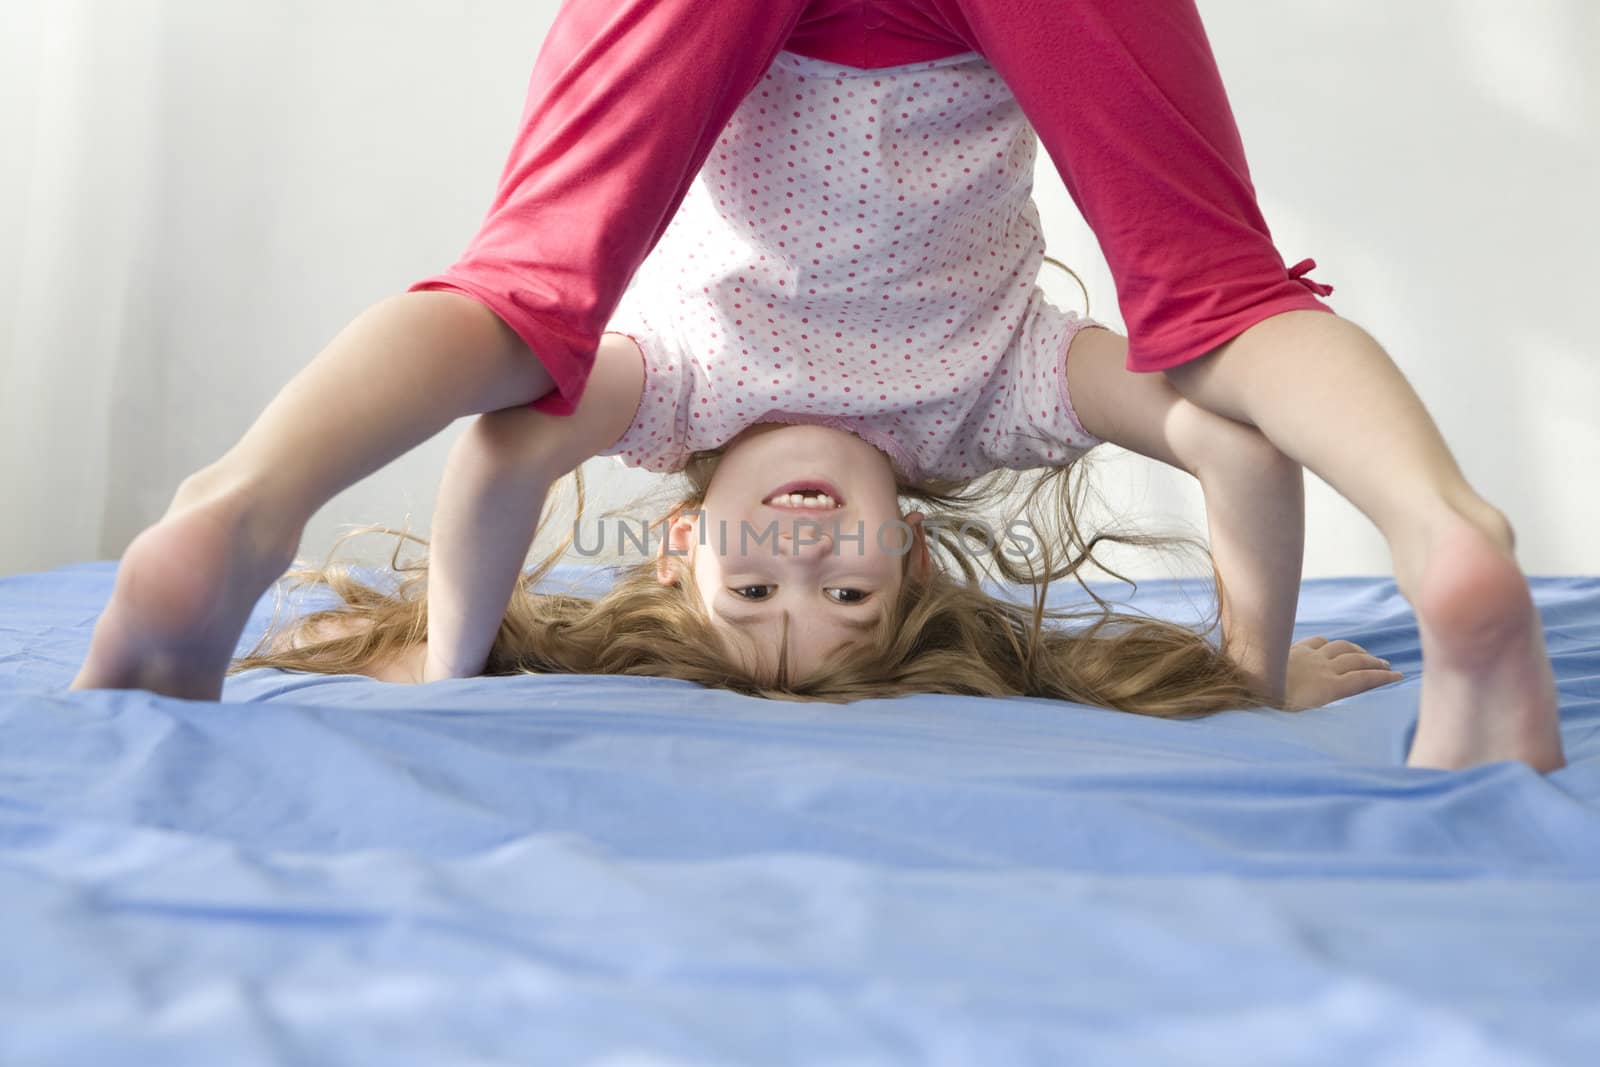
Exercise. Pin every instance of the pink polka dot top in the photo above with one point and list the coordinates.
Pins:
(860, 250)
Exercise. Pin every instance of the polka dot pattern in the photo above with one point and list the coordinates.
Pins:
(860, 249)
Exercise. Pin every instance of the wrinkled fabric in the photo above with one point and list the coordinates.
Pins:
(592, 870)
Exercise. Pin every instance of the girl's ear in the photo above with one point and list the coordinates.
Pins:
(921, 564)
(679, 539)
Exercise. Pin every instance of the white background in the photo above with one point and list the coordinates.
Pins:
(196, 195)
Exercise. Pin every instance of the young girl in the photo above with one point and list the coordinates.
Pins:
(629, 100)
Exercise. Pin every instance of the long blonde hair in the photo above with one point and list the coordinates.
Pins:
(945, 634)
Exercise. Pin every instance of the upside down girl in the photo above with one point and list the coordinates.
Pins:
(858, 263)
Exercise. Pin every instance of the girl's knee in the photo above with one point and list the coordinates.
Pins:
(512, 439)
(1241, 448)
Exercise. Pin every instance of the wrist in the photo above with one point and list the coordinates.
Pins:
(1268, 680)
(438, 667)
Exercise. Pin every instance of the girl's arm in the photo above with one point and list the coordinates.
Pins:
(1255, 508)
(492, 495)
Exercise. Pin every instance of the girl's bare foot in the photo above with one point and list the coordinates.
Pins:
(1488, 692)
(183, 593)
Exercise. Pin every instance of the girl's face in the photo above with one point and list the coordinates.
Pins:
(803, 523)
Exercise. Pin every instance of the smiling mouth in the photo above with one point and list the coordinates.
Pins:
(808, 495)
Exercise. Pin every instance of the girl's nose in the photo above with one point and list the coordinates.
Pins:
(805, 542)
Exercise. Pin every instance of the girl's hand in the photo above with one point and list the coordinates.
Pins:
(1321, 671)
(403, 665)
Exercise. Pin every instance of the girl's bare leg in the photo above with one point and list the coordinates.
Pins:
(397, 375)
(1323, 391)
(1127, 99)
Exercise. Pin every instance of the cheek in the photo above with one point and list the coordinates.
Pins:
(705, 569)
(889, 538)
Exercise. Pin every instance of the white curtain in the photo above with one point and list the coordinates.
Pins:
(195, 195)
(78, 126)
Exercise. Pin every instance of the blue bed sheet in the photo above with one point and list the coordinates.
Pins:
(590, 870)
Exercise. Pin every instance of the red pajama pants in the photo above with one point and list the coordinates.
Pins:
(629, 96)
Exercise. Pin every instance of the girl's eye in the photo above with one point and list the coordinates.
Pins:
(751, 592)
(848, 596)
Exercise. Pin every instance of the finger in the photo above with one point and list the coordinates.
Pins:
(1361, 681)
(1337, 648)
(1313, 642)
(1358, 661)
(1348, 685)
